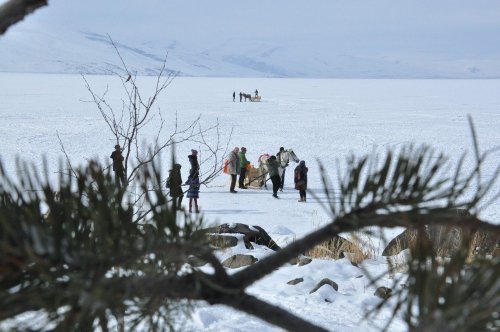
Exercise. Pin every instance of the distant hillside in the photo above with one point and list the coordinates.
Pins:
(263, 39)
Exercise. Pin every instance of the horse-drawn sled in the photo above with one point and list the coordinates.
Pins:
(257, 177)
(249, 97)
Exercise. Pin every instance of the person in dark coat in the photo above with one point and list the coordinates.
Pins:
(300, 179)
(256, 92)
(195, 166)
(174, 183)
(234, 96)
(243, 167)
(193, 181)
(118, 166)
(241, 96)
(273, 169)
(193, 192)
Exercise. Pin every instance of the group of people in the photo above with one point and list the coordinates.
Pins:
(244, 95)
(237, 165)
(174, 180)
(174, 184)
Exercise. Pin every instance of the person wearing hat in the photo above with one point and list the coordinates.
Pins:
(118, 168)
(300, 180)
(282, 175)
(273, 169)
(174, 183)
(193, 181)
(234, 168)
(195, 166)
(243, 167)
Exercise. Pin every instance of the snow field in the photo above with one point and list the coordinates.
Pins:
(321, 120)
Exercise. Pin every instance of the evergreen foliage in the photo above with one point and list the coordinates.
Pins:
(67, 264)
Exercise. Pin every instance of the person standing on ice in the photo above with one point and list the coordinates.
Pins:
(174, 183)
(256, 92)
(118, 168)
(241, 96)
(234, 168)
(234, 96)
(195, 166)
(273, 169)
(300, 180)
(193, 181)
(243, 167)
(193, 192)
(282, 175)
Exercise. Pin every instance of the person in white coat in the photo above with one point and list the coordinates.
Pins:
(234, 168)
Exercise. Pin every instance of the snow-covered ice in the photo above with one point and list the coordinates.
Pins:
(320, 119)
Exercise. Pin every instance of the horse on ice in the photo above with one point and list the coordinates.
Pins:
(286, 157)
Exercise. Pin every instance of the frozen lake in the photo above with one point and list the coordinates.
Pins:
(321, 120)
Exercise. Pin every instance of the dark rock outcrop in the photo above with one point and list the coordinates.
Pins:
(251, 234)
(301, 260)
(383, 292)
(323, 282)
(239, 260)
(295, 281)
(222, 241)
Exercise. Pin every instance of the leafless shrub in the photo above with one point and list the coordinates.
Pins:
(129, 124)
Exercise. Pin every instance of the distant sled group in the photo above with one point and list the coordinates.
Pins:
(248, 96)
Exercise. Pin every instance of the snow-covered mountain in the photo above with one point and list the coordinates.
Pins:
(281, 38)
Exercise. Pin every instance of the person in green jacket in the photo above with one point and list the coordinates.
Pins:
(243, 167)
(274, 174)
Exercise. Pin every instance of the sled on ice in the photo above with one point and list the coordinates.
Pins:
(255, 177)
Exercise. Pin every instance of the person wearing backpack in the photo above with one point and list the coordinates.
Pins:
(300, 179)
(174, 183)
